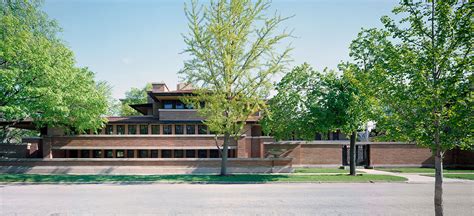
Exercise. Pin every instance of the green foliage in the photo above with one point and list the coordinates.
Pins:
(288, 110)
(310, 102)
(38, 78)
(15, 135)
(233, 49)
(134, 96)
(422, 73)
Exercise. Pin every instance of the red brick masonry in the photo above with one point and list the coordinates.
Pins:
(380, 154)
(136, 165)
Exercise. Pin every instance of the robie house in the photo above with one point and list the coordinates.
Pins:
(170, 137)
(167, 129)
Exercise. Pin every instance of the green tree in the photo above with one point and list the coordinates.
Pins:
(309, 102)
(134, 96)
(38, 79)
(422, 70)
(233, 48)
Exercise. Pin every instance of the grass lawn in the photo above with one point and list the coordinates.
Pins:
(322, 170)
(468, 176)
(259, 178)
(423, 170)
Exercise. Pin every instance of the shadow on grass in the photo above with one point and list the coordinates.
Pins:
(137, 179)
(197, 179)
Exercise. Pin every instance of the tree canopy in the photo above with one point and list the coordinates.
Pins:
(134, 96)
(234, 52)
(422, 72)
(309, 102)
(38, 76)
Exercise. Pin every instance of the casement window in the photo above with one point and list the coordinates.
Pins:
(142, 153)
(202, 129)
(119, 153)
(214, 153)
(97, 153)
(166, 153)
(178, 153)
(120, 129)
(168, 104)
(155, 129)
(143, 129)
(202, 153)
(85, 154)
(73, 153)
(154, 153)
(179, 105)
(190, 129)
(109, 129)
(167, 129)
(190, 153)
(130, 153)
(109, 153)
(132, 129)
(178, 129)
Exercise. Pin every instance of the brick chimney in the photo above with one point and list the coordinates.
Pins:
(159, 87)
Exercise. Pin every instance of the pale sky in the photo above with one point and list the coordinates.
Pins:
(131, 42)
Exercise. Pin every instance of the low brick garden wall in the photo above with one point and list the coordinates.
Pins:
(144, 166)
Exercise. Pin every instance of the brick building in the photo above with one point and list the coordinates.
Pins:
(167, 128)
(169, 133)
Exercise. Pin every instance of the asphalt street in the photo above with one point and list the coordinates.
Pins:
(233, 199)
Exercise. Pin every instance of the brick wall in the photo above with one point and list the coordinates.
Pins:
(306, 154)
(285, 151)
(144, 166)
(320, 154)
(392, 154)
(132, 140)
(14, 150)
(177, 114)
(457, 157)
(400, 154)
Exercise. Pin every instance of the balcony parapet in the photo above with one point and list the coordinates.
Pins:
(179, 115)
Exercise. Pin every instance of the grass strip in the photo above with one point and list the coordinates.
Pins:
(322, 170)
(469, 176)
(243, 178)
(423, 170)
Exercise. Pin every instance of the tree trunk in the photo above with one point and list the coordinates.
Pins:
(225, 150)
(438, 197)
(352, 153)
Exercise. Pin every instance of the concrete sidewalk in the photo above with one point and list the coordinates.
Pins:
(413, 177)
